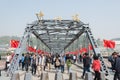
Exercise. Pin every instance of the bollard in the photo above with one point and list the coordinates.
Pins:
(0, 57)
(73, 76)
(28, 76)
(58, 76)
(15, 76)
(0, 72)
(88, 76)
(102, 76)
(44, 76)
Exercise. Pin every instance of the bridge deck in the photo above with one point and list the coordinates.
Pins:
(75, 68)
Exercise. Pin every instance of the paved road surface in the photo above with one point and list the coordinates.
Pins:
(75, 68)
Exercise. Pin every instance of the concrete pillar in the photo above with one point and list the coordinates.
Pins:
(102, 76)
(15, 76)
(88, 76)
(0, 57)
(44, 76)
(0, 72)
(73, 76)
(28, 76)
(58, 76)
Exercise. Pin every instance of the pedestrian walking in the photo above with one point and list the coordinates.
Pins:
(69, 64)
(27, 61)
(62, 63)
(116, 66)
(96, 67)
(34, 66)
(86, 64)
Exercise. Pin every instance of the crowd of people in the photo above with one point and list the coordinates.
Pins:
(41, 62)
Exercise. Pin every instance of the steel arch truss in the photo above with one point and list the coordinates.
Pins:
(57, 35)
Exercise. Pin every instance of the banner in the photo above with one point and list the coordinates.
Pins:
(109, 43)
(14, 43)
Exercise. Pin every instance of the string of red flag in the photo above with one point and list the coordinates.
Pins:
(109, 43)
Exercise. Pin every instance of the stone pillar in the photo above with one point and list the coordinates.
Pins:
(58, 76)
(15, 76)
(0, 57)
(28, 76)
(88, 76)
(0, 72)
(102, 76)
(73, 76)
(44, 76)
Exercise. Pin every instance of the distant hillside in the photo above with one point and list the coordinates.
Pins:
(117, 39)
(6, 39)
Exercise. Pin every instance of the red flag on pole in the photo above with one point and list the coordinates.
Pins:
(109, 43)
(83, 50)
(105, 43)
(31, 49)
(90, 47)
(14, 43)
(39, 51)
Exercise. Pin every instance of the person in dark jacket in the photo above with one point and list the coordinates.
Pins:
(111, 60)
(57, 64)
(86, 64)
(34, 66)
(48, 61)
(116, 66)
(22, 60)
(27, 61)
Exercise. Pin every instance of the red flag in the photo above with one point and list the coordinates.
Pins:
(76, 52)
(39, 51)
(109, 43)
(67, 53)
(70, 52)
(105, 43)
(73, 52)
(14, 43)
(83, 50)
(46, 52)
(90, 47)
(31, 49)
(42, 52)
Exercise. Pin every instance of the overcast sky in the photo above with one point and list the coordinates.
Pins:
(103, 16)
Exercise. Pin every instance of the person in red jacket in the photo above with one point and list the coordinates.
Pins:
(96, 67)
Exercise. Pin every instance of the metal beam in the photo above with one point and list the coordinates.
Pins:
(37, 35)
(57, 34)
(77, 36)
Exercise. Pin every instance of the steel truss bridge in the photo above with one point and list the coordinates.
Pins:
(57, 36)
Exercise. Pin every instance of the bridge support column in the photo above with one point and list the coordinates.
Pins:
(73, 76)
(28, 76)
(88, 76)
(102, 76)
(44, 76)
(0, 72)
(15, 76)
(58, 76)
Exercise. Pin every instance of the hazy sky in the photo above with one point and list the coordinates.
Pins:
(103, 16)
